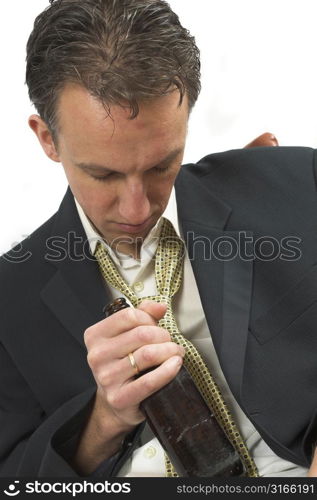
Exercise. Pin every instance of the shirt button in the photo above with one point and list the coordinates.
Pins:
(139, 286)
(149, 452)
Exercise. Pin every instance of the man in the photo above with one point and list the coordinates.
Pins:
(113, 83)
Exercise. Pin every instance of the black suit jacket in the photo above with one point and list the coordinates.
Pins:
(261, 311)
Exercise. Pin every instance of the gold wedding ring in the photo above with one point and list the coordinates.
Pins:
(133, 363)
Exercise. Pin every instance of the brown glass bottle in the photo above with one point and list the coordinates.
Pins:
(188, 431)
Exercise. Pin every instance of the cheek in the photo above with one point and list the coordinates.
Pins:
(99, 201)
(95, 199)
(161, 189)
(156, 192)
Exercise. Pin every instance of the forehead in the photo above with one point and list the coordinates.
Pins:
(85, 126)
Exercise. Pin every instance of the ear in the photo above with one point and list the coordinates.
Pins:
(44, 136)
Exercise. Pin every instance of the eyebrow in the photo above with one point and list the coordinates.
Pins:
(95, 167)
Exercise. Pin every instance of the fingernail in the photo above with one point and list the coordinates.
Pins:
(178, 360)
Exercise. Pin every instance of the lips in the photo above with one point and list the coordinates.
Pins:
(134, 228)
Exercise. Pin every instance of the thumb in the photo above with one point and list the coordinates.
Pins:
(154, 309)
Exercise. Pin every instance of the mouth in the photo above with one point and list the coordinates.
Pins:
(134, 228)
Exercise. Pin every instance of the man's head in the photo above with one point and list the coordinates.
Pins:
(101, 72)
(121, 51)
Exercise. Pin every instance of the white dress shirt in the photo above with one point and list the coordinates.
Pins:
(148, 459)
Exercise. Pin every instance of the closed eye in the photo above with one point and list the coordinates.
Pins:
(104, 178)
(111, 175)
(161, 170)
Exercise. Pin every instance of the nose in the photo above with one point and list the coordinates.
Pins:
(134, 205)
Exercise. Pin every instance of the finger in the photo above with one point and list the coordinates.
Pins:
(155, 309)
(119, 371)
(108, 350)
(149, 356)
(134, 392)
(118, 323)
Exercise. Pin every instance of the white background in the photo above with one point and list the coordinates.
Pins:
(258, 74)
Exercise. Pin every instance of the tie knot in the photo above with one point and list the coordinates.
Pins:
(168, 266)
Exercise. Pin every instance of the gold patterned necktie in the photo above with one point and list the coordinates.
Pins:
(168, 276)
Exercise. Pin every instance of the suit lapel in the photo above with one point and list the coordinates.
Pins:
(223, 278)
(237, 290)
(76, 293)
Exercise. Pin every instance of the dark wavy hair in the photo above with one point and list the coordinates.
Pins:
(121, 51)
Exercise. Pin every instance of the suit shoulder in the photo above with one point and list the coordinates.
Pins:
(259, 180)
(22, 257)
(265, 160)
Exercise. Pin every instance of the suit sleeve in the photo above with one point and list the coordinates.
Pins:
(30, 438)
(36, 444)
